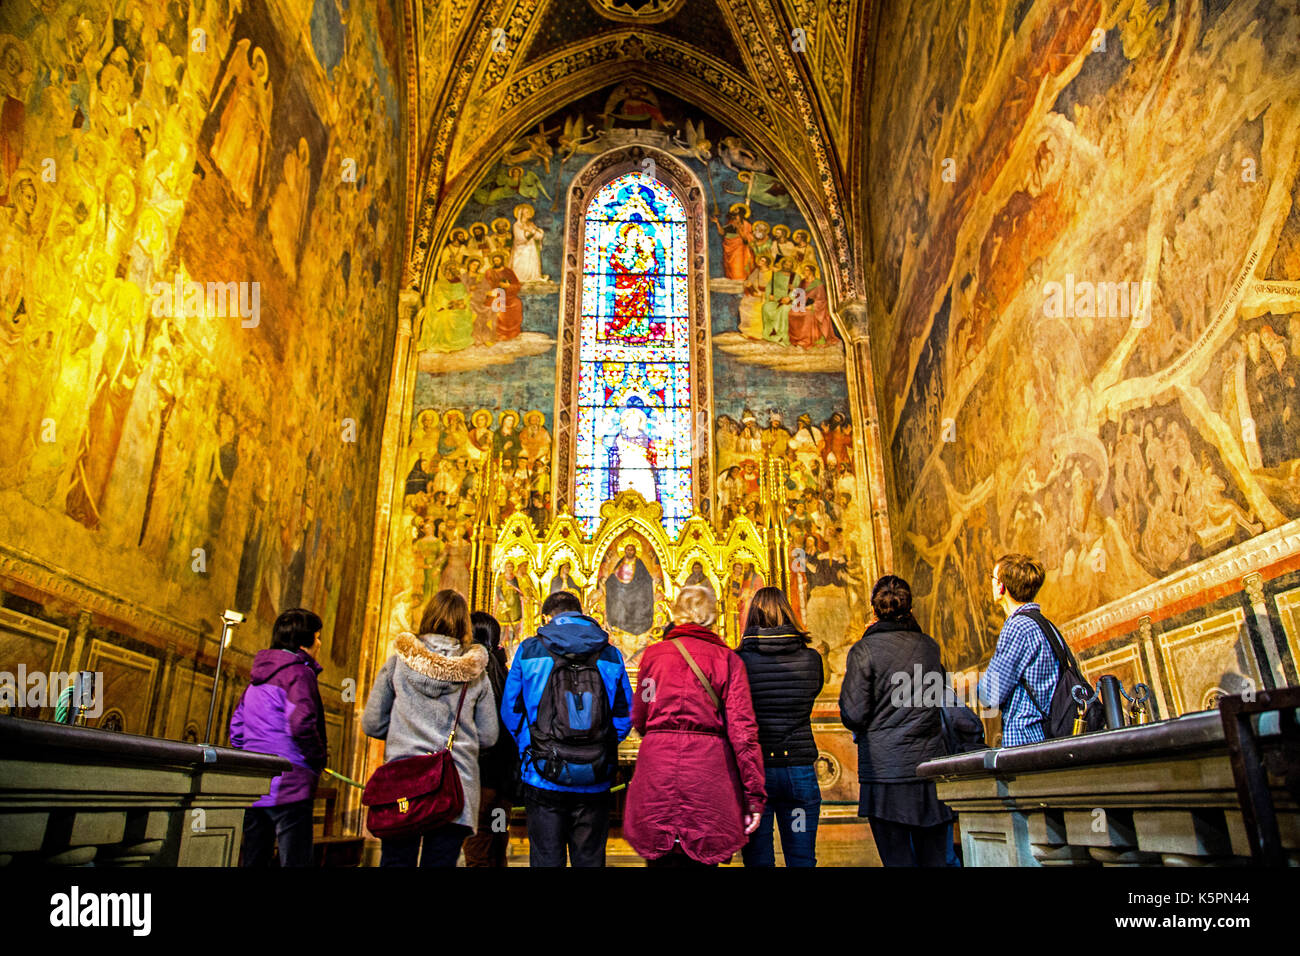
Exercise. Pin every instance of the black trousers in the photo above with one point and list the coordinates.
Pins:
(903, 845)
(576, 823)
(288, 824)
(441, 847)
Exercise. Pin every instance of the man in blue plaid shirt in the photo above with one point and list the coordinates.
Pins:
(1023, 658)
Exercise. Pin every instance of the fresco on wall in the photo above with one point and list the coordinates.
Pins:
(189, 228)
(1092, 337)
(812, 458)
(463, 466)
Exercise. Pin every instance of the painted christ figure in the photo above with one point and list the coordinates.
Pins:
(630, 594)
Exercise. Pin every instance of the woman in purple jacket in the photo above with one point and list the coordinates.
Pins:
(281, 713)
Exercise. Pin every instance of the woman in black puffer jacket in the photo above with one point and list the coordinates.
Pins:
(897, 727)
(785, 677)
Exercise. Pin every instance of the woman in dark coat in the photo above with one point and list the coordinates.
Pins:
(697, 792)
(497, 764)
(896, 728)
(785, 677)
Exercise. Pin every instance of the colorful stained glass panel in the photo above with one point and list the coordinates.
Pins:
(634, 397)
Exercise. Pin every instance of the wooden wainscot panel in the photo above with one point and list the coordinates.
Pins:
(128, 686)
(1202, 657)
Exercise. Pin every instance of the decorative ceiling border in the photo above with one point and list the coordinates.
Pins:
(828, 173)
(631, 45)
(691, 90)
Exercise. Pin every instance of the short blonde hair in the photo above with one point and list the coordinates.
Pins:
(695, 605)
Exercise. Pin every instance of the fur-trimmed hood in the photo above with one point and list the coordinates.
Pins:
(439, 662)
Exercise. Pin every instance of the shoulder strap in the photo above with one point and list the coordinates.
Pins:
(455, 723)
(695, 668)
(1060, 649)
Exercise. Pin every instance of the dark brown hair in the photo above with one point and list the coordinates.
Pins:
(447, 613)
(891, 598)
(1021, 575)
(771, 608)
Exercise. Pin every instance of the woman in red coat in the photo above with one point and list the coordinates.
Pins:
(698, 791)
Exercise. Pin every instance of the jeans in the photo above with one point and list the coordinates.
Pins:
(793, 803)
(903, 845)
(576, 823)
(441, 847)
(289, 825)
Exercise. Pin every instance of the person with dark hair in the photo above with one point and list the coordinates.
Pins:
(414, 706)
(785, 677)
(1020, 679)
(280, 712)
(896, 728)
(498, 764)
(567, 703)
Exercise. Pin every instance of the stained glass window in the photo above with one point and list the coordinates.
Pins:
(634, 372)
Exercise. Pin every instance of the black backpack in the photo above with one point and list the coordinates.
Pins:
(962, 729)
(573, 741)
(1058, 719)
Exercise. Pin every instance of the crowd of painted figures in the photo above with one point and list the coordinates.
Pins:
(482, 270)
(815, 463)
(783, 296)
(450, 463)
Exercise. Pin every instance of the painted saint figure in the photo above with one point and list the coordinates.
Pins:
(504, 299)
(527, 251)
(242, 140)
(737, 235)
(564, 581)
(630, 594)
(634, 260)
(633, 459)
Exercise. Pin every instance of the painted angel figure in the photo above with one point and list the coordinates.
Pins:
(243, 138)
(696, 144)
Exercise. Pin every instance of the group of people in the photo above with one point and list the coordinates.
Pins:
(727, 755)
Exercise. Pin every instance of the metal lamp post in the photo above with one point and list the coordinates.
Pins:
(229, 619)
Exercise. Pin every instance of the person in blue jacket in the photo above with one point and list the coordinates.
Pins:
(567, 702)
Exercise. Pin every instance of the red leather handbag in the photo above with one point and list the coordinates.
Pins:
(410, 796)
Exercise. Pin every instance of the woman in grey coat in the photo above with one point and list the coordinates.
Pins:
(412, 708)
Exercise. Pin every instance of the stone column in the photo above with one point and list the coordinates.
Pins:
(1253, 584)
(397, 417)
(868, 449)
(158, 728)
(1147, 649)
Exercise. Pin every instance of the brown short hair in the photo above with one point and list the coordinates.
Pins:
(447, 613)
(891, 598)
(1021, 575)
